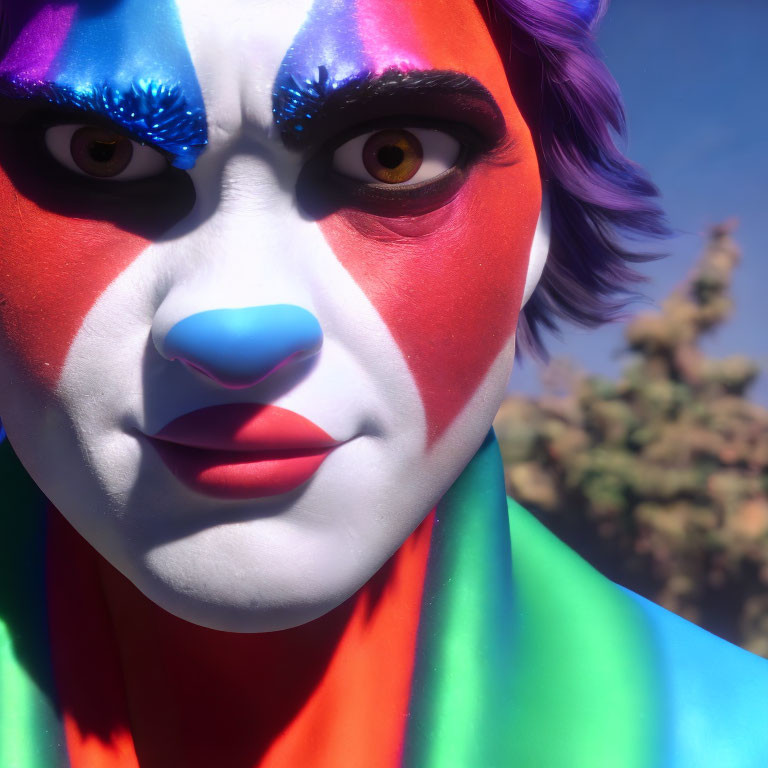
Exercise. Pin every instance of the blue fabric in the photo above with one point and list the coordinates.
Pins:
(716, 693)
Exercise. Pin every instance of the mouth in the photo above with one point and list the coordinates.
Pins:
(243, 450)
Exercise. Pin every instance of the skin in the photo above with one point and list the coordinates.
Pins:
(418, 310)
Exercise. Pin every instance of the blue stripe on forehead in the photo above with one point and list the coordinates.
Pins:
(120, 42)
(326, 53)
(128, 61)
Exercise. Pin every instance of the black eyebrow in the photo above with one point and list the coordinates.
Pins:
(149, 111)
(306, 111)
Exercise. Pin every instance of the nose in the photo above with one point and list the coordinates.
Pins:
(240, 347)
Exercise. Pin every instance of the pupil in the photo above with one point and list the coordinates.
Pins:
(102, 151)
(390, 156)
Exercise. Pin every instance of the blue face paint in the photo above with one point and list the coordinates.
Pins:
(326, 54)
(149, 111)
(125, 60)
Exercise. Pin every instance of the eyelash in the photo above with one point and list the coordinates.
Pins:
(33, 125)
(72, 146)
(341, 192)
(322, 190)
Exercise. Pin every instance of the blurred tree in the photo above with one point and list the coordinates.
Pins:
(660, 479)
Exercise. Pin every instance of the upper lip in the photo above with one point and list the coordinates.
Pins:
(247, 427)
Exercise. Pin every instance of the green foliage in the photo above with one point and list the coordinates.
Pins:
(661, 477)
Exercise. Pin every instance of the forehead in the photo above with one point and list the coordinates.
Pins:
(95, 41)
(235, 53)
(264, 44)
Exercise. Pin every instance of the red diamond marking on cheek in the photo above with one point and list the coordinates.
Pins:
(54, 268)
(449, 287)
(450, 296)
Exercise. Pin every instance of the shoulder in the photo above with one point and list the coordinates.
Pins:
(716, 694)
(703, 701)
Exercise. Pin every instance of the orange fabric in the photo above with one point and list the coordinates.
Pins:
(328, 694)
(89, 751)
(357, 715)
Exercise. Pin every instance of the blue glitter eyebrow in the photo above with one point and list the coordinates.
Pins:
(295, 101)
(150, 111)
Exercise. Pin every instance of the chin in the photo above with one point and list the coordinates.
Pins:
(237, 618)
(246, 591)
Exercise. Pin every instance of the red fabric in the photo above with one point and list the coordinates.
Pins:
(86, 662)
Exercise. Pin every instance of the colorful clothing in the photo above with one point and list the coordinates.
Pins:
(526, 656)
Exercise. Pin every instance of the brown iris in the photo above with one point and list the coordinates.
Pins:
(393, 156)
(100, 152)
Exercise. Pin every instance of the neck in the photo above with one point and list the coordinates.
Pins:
(140, 686)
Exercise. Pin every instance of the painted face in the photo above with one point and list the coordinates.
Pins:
(261, 271)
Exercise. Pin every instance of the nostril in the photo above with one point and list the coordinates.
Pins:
(240, 347)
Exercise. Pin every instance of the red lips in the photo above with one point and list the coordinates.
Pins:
(243, 451)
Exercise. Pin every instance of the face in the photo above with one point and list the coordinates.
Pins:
(261, 271)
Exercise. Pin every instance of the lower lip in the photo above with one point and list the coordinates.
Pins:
(240, 474)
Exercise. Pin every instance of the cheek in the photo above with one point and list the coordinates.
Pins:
(52, 270)
(448, 285)
(64, 241)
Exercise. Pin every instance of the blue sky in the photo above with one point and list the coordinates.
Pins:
(692, 73)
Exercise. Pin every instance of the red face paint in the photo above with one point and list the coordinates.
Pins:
(448, 283)
(64, 240)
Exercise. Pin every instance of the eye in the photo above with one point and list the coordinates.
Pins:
(402, 157)
(100, 153)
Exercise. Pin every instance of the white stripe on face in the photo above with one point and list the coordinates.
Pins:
(237, 47)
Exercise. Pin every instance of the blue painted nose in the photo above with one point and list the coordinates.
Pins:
(240, 347)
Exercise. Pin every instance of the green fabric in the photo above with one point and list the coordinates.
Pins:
(463, 665)
(30, 732)
(526, 658)
(584, 693)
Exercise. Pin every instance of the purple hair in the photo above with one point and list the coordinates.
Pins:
(598, 197)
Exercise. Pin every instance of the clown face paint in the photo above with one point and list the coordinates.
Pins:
(246, 384)
(125, 61)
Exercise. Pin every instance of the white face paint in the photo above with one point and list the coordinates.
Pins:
(244, 564)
